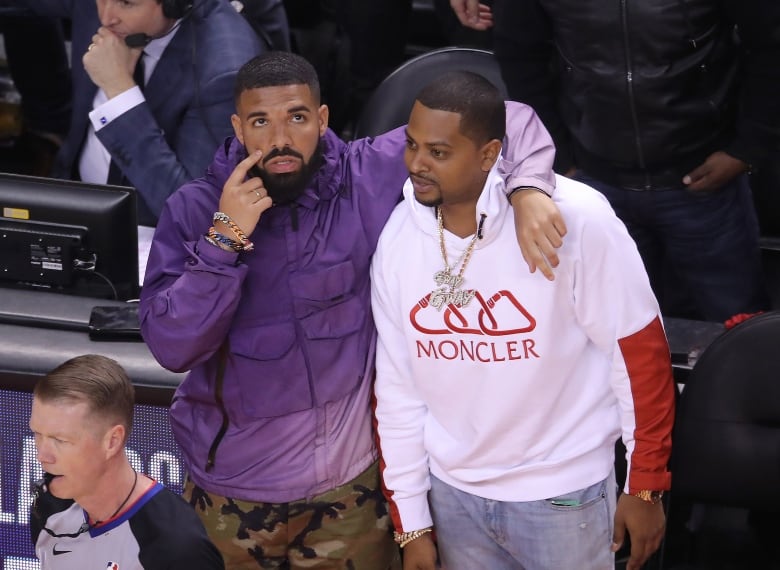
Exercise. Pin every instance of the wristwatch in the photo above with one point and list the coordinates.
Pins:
(650, 496)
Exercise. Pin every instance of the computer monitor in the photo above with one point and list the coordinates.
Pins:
(68, 237)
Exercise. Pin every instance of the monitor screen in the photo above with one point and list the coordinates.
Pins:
(68, 237)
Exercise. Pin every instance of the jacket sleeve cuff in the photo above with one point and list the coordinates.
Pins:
(513, 182)
(661, 481)
(213, 254)
(414, 513)
(103, 114)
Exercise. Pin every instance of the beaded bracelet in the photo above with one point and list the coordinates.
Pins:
(404, 538)
(219, 238)
(238, 232)
(243, 245)
(211, 240)
(223, 239)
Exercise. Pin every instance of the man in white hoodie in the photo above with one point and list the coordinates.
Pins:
(500, 395)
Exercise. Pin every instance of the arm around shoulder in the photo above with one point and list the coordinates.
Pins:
(528, 152)
(527, 167)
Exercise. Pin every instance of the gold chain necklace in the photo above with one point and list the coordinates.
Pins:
(448, 289)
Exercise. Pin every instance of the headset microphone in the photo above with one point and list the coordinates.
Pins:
(172, 9)
(138, 40)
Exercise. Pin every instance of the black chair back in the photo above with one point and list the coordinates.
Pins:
(726, 441)
(392, 101)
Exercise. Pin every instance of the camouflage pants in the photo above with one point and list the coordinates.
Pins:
(347, 528)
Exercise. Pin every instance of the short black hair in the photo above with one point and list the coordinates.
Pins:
(474, 98)
(274, 69)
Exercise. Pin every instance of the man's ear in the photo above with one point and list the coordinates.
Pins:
(490, 153)
(324, 114)
(114, 440)
(235, 120)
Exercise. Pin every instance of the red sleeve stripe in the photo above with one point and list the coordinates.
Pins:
(649, 366)
(395, 516)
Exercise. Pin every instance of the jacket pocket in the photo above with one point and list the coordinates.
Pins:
(327, 304)
(269, 369)
(333, 311)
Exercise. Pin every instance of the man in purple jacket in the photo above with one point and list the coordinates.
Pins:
(268, 307)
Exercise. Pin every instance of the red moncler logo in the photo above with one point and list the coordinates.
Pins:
(501, 315)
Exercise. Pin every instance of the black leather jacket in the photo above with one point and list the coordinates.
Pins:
(634, 86)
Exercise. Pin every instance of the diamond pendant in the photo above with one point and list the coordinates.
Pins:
(448, 291)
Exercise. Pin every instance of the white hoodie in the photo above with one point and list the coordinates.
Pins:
(521, 394)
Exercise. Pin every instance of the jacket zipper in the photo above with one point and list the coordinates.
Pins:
(224, 351)
(294, 253)
(630, 88)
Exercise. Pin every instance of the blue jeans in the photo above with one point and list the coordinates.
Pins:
(700, 249)
(560, 533)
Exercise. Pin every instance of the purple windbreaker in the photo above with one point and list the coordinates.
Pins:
(295, 314)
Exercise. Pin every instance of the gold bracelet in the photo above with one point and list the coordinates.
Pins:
(404, 538)
(245, 244)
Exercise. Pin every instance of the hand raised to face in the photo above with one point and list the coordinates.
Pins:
(109, 62)
(244, 198)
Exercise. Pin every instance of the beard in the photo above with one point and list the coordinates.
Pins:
(286, 187)
(428, 200)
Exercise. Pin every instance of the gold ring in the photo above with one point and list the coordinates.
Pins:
(89, 48)
(258, 194)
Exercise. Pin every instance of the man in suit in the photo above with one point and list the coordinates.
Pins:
(159, 129)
